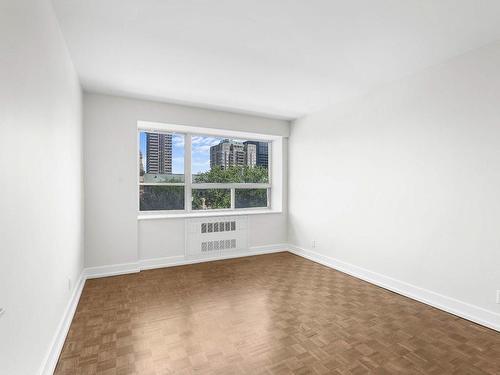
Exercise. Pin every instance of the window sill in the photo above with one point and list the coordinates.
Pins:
(154, 216)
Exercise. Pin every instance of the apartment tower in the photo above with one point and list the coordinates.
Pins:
(262, 152)
(230, 153)
(158, 153)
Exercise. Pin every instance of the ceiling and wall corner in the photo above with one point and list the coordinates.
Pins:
(280, 59)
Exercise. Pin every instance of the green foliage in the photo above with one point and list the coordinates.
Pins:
(221, 198)
(172, 197)
(246, 198)
(211, 199)
(161, 198)
(235, 174)
(163, 178)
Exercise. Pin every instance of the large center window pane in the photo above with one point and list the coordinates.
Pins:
(224, 160)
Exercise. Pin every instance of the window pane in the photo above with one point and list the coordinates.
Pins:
(210, 199)
(161, 157)
(246, 198)
(161, 197)
(220, 160)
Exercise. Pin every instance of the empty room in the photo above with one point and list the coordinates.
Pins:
(249, 187)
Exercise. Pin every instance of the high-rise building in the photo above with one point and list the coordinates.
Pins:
(262, 149)
(229, 153)
(158, 153)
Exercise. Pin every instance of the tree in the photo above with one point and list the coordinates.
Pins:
(211, 198)
(161, 198)
(172, 197)
(221, 198)
(234, 174)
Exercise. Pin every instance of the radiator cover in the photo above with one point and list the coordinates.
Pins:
(214, 236)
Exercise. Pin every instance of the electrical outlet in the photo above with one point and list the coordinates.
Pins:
(314, 244)
(498, 296)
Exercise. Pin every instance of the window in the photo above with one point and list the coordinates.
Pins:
(190, 172)
(161, 171)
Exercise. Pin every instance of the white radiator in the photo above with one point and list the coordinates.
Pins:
(215, 236)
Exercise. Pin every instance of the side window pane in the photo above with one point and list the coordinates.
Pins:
(161, 157)
(161, 197)
(161, 163)
(211, 199)
(222, 160)
(247, 198)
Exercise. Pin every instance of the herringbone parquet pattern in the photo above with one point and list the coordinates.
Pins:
(270, 314)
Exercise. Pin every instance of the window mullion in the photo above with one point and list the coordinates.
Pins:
(187, 173)
(230, 185)
(233, 198)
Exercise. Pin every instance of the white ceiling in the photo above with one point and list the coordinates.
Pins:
(283, 58)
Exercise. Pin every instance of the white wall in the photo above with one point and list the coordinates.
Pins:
(40, 183)
(405, 181)
(113, 234)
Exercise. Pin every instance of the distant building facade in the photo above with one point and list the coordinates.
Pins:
(158, 153)
(230, 153)
(262, 150)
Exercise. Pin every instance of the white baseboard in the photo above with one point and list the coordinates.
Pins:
(111, 270)
(180, 260)
(56, 347)
(461, 309)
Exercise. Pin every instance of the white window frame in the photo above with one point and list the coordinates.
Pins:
(273, 189)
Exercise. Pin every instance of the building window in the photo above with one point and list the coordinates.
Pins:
(192, 172)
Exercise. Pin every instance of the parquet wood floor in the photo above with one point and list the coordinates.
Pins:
(269, 314)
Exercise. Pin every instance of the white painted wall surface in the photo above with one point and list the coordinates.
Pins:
(164, 238)
(113, 234)
(41, 187)
(405, 181)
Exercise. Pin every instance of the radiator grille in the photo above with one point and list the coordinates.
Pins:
(218, 226)
(211, 237)
(209, 246)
